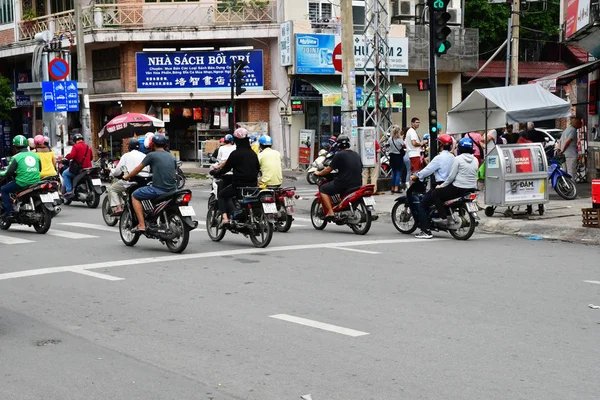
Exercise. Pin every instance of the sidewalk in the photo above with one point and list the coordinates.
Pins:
(190, 167)
(561, 219)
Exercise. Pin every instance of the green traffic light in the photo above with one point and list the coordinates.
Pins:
(433, 129)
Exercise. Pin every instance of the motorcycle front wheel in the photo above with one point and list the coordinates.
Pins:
(213, 219)
(362, 227)
(125, 227)
(565, 187)
(468, 224)
(178, 244)
(262, 233)
(180, 179)
(402, 218)
(316, 216)
(109, 219)
(311, 178)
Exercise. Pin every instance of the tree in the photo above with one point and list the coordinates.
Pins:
(6, 99)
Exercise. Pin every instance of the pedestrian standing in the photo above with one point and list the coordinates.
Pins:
(413, 145)
(372, 173)
(396, 153)
(568, 146)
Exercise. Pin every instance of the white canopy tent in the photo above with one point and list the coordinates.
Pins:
(502, 105)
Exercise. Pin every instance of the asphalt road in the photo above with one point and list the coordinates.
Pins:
(325, 313)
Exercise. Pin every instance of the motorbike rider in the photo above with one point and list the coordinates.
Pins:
(270, 163)
(440, 167)
(25, 168)
(349, 166)
(47, 157)
(130, 161)
(81, 153)
(462, 179)
(245, 166)
(225, 150)
(163, 166)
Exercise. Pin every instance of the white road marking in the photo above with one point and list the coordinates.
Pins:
(195, 256)
(56, 232)
(302, 219)
(97, 275)
(594, 282)
(13, 240)
(319, 325)
(355, 250)
(92, 226)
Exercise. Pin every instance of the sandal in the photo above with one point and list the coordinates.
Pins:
(138, 230)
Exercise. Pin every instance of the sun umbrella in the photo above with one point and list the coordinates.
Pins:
(130, 124)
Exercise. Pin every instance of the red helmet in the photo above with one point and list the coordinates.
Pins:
(445, 139)
(222, 140)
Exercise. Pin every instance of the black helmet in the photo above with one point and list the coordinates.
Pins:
(159, 140)
(133, 144)
(77, 137)
(343, 142)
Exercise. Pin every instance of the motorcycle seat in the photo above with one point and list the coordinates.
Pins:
(351, 190)
(168, 195)
(467, 194)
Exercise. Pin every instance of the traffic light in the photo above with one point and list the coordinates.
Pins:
(440, 25)
(433, 121)
(239, 77)
(423, 84)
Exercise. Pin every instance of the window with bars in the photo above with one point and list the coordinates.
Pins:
(106, 64)
(319, 11)
(6, 11)
(61, 5)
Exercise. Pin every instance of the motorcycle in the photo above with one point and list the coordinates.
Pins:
(56, 194)
(561, 181)
(168, 219)
(354, 208)
(33, 206)
(284, 201)
(180, 176)
(87, 186)
(104, 164)
(255, 213)
(462, 213)
(316, 166)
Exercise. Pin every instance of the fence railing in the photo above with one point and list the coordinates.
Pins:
(155, 15)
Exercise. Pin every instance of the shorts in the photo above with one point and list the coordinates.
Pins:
(330, 188)
(148, 193)
(415, 164)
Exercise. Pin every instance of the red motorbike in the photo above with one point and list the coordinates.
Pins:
(284, 200)
(354, 208)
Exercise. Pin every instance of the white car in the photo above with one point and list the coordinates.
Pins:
(552, 135)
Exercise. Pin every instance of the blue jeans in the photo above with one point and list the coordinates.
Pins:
(407, 168)
(10, 187)
(147, 193)
(423, 210)
(396, 176)
(68, 180)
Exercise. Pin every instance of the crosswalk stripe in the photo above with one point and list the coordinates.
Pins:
(13, 240)
(56, 232)
(91, 226)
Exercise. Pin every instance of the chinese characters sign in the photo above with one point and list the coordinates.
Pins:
(60, 96)
(196, 71)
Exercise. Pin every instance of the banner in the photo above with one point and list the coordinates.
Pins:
(306, 139)
(525, 190)
(196, 71)
(578, 16)
(523, 161)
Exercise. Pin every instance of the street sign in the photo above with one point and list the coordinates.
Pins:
(58, 69)
(61, 96)
(337, 57)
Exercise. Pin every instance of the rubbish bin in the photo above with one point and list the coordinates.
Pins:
(516, 175)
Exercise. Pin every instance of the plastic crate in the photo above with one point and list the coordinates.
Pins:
(590, 217)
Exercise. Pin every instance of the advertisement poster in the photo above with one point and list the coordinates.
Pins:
(525, 190)
(523, 160)
(285, 43)
(166, 114)
(578, 16)
(306, 139)
(492, 162)
(196, 71)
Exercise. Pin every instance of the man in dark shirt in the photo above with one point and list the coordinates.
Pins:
(349, 167)
(164, 166)
(510, 136)
(243, 161)
(534, 135)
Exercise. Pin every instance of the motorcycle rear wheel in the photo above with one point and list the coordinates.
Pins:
(462, 233)
(402, 219)
(285, 222)
(179, 244)
(125, 227)
(94, 201)
(363, 227)
(215, 233)
(265, 231)
(318, 222)
(109, 219)
(565, 187)
(44, 225)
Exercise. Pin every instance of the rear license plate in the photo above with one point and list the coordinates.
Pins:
(471, 207)
(187, 211)
(288, 201)
(269, 208)
(55, 195)
(369, 201)
(47, 198)
(96, 182)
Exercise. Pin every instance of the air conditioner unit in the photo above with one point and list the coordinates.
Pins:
(404, 9)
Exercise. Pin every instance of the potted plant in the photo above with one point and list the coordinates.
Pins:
(27, 24)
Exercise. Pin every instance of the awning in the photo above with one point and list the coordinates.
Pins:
(572, 73)
(333, 84)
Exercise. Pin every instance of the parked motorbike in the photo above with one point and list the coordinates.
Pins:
(316, 166)
(561, 181)
(255, 213)
(180, 176)
(354, 208)
(462, 213)
(33, 206)
(87, 186)
(284, 201)
(168, 219)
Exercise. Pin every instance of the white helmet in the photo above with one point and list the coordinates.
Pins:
(241, 133)
(148, 140)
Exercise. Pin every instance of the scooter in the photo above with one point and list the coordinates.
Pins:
(316, 166)
(87, 186)
(284, 201)
(180, 176)
(561, 181)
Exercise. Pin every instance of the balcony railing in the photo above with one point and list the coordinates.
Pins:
(155, 15)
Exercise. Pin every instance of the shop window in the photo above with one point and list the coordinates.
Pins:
(6, 11)
(106, 64)
(61, 5)
(320, 11)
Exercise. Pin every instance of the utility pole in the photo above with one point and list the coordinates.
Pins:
(514, 52)
(349, 113)
(82, 76)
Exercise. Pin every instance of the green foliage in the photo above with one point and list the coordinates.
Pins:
(6, 99)
(29, 14)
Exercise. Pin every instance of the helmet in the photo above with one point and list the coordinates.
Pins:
(159, 140)
(31, 143)
(148, 140)
(465, 145)
(77, 137)
(343, 142)
(445, 139)
(265, 141)
(46, 140)
(20, 141)
(133, 144)
(439, 127)
(39, 139)
(426, 136)
(241, 133)
(253, 138)
(222, 140)
(228, 138)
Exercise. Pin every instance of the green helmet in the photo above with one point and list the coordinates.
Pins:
(20, 141)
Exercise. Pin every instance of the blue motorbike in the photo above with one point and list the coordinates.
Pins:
(561, 181)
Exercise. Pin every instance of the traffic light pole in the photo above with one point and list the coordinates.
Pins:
(432, 83)
(232, 104)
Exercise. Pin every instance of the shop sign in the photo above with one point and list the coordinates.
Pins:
(285, 43)
(314, 54)
(523, 161)
(332, 100)
(525, 190)
(306, 140)
(304, 91)
(297, 107)
(578, 16)
(206, 71)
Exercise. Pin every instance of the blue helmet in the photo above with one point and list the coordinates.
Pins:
(465, 145)
(159, 140)
(439, 127)
(252, 138)
(265, 140)
(426, 136)
(228, 138)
